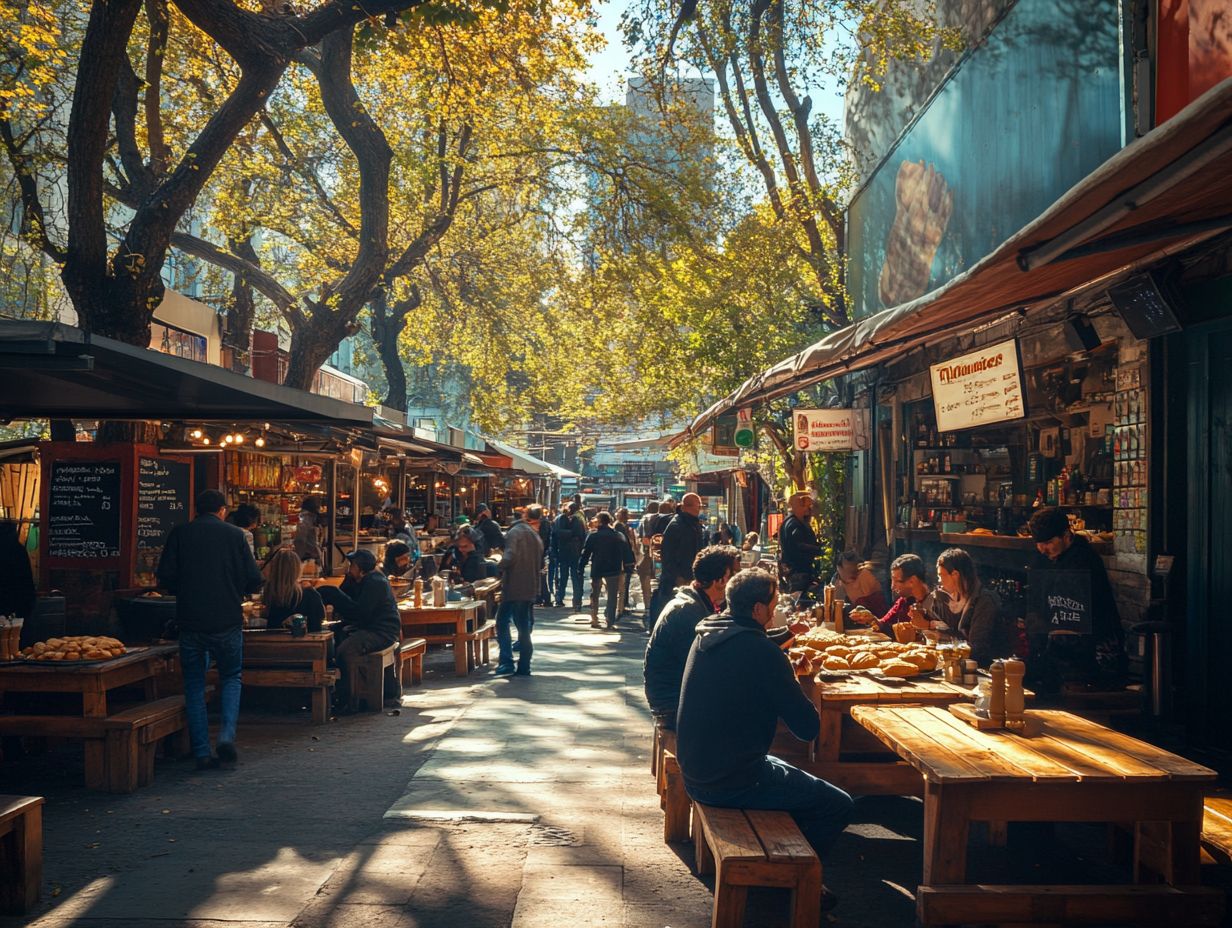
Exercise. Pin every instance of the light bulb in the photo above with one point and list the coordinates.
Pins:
(228, 438)
(196, 433)
(260, 442)
(205, 440)
(239, 438)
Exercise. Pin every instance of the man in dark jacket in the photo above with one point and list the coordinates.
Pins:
(609, 555)
(683, 537)
(371, 621)
(798, 543)
(1099, 657)
(570, 534)
(208, 566)
(737, 685)
(485, 525)
(17, 590)
(673, 634)
(547, 577)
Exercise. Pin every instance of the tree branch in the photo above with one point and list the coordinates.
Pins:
(300, 167)
(251, 271)
(33, 219)
(156, 14)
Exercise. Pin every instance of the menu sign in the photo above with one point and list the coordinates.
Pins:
(1064, 600)
(162, 494)
(979, 388)
(83, 510)
(829, 429)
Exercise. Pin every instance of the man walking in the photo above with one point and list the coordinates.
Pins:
(645, 558)
(519, 571)
(207, 565)
(609, 556)
(682, 539)
(370, 616)
(737, 685)
(548, 577)
(798, 543)
(570, 533)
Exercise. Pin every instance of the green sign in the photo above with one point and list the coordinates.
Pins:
(677, 489)
(743, 437)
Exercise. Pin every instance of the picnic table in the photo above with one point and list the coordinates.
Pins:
(1072, 770)
(276, 658)
(428, 622)
(118, 739)
(845, 754)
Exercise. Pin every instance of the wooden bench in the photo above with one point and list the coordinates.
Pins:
(674, 799)
(284, 662)
(133, 737)
(21, 853)
(664, 741)
(744, 848)
(368, 677)
(1217, 828)
(410, 660)
(479, 642)
(1099, 705)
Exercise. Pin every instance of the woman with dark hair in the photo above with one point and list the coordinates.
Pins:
(972, 611)
(306, 543)
(284, 596)
(246, 515)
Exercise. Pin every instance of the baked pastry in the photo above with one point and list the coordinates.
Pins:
(897, 668)
(863, 661)
(835, 663)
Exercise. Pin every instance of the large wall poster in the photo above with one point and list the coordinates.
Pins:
(1026, 116)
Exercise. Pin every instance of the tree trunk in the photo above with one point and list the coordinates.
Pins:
(241, 311)
(387, 326)
(312, 342)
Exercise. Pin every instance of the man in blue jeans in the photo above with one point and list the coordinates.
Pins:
(737, 685)
(208, 566)
(520, 567)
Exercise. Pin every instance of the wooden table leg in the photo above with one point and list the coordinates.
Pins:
(829, 739)
(461, 650)
(1185, 846)
(946, 826)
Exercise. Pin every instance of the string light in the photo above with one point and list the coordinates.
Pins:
(196, 434)
(239, 438)
(228, 438)
(260, 442)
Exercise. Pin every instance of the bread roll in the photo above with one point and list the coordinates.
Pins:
(897, 668)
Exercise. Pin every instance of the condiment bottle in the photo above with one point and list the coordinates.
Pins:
(418, 594)
(838, 615)
(996, 697)
(1015, 698)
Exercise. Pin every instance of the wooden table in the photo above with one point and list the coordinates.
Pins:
(463, 616)
(278, 659)
(867, 774)
(94, 681)
(1073, 770)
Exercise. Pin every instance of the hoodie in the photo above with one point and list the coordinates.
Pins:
(737, 685)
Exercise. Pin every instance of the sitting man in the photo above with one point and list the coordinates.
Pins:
(856, 585)
(908, 584)
(370, 618)
(676, 627)
(463, 560)
(399, 561)
(737, 685)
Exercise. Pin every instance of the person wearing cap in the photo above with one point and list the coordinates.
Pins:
(489, 531)
(370, 618)
(1058, 657)
(207, 565)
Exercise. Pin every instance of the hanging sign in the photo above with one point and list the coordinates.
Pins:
(744, 428)
(979, 388)
(829, 429)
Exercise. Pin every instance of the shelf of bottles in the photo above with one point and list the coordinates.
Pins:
(1130, 471)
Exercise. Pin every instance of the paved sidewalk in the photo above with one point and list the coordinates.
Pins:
(483, 803)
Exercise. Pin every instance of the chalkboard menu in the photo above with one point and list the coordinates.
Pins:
(1064, 600)
(83, 510)
(163, 488)
(979, 388)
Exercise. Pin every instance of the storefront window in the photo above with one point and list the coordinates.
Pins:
(173, 341)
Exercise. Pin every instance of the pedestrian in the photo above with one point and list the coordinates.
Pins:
(608, 555)
(683, 537)
(548, 576)
(306, 542)
(370, 620)
(207, 566)
(667, 509)
(570, 533)
(520, 568)
(737, 685)
(489, 531)
(622, 526)
(645, 558)
(245, 516)
(798, 547)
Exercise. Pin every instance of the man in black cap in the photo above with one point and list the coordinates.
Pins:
(485, 525)
(370, 617)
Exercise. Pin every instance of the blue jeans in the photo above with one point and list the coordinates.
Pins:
(568, 567)
(227, 650)
(521, 615)
(820, 809)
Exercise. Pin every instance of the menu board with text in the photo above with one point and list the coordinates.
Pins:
(83, 510)
(163, 488)
(979, 388)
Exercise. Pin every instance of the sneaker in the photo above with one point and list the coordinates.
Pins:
(207, 763)
(560, 605)
(594, 623)
(227, 755)
(503, 670)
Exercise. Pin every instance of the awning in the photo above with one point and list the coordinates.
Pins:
(1160, 195)
(521, 460)
(495, 461)
(52, 371)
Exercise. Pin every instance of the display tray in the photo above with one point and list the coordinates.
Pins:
(883, 678)
(101, 660)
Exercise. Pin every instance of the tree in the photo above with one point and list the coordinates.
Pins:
(116, 289)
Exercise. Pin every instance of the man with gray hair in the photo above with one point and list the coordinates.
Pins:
(519, 571)
(737, 685)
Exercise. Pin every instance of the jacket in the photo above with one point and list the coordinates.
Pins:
(17, 590)
(668, 650)
(569, 532)
(207, 565)
(798, 544)
(520, 564)
(547, 535)
(608, 552)
(472, 569)
(490, 532)
(737, 685)
(372, 608)
(980, 623)
(682, 539)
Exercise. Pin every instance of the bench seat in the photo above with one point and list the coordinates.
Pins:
(410, 660)
(1217, 827)
(21, 853)
(368, 678)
